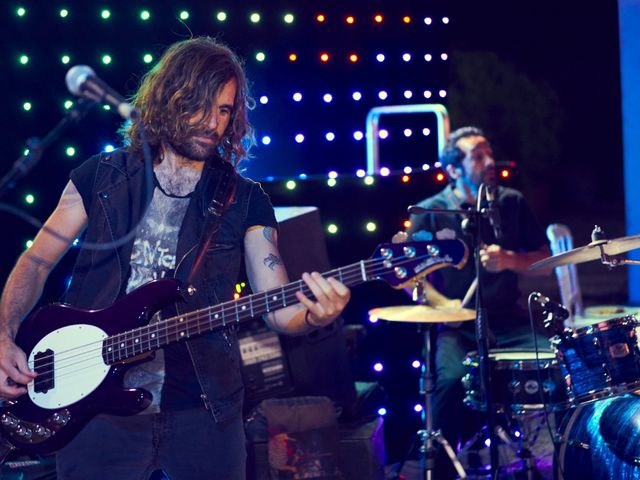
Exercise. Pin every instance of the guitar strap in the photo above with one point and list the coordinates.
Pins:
(223, 196)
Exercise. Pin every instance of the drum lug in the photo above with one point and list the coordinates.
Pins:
(548, 386)
(596, 343)
(515, 386)
(607, 373)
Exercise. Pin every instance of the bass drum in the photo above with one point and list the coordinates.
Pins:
(601, 441)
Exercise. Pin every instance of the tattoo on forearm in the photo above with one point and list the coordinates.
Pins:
(270, 234)
(272, 261)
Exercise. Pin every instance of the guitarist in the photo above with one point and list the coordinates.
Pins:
(193, 105)
(510, 243)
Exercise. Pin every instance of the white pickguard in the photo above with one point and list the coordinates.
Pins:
(78, 365)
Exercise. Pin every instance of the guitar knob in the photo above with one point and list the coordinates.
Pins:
(8, 420)
(409, 252)
(401, 272)
(60, 418)
(433, 250)
(386, 252)
(23, 432)
(42, 432)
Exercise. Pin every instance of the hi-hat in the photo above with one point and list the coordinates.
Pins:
(593, 251)
(422, 314)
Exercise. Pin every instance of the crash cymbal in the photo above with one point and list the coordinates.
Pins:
(422, 314)
(589, 252)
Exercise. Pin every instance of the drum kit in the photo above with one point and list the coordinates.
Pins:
(587, 383)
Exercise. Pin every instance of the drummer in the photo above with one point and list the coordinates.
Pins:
(468, 161)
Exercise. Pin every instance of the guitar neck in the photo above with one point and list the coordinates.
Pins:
(154, 336)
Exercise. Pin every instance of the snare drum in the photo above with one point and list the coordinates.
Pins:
(515, 382)
(600, 360)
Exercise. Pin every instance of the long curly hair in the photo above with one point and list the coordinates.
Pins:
(182, 86)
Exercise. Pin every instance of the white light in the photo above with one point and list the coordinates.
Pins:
(382, 411)
(109, 148)
(415, 364)
(299, 138)
(373, 319)
(266, 140)
(330, 136)
(407, 132)
(427, 94)
(332, 174)
(407, 170)
(408, 94)
(406, 57)
(380, 57)
(327, 97)
(358, 135)
(445, 20)
(378, 367)
(418, 408)
(264, 99)
(383, 133)
(426, 132)
(382, 95)
(384, 172)
(357, 96)
(360, 173)
(427, 20)
(444, 56)
(425, 166)
(428, 57)
(442, 93)
(437, 164)
(297, 97)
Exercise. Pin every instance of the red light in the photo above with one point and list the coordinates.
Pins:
(293, 57)
(350, 20)
(324, 57)
(407, 224)
(505, 173)
(405, 178)
(378, 18)
(440, 177)
(406, 19)
(320, 18)
(353, 57)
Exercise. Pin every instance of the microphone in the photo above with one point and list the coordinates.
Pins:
(557, 310)
(83, 82)
(493, 212)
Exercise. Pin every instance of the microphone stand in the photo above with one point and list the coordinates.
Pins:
(36, 147)
(471, 226)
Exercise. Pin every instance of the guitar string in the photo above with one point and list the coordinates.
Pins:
(196, 316)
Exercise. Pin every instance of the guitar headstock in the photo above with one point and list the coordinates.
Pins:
(400, 264)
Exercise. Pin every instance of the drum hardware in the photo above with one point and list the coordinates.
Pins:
(424, 316)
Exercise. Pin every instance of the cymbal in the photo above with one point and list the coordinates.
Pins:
(422, 314)
(589, 252)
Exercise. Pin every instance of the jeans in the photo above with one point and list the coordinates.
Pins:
(185, 445)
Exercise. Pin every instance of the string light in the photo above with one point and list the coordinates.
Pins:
(371, 226)
(106, 59)
(299, 138)
(407, 132)
(289, 18)
(184, 15)
(408, 94)
(417, 408)
(264, 100)
(260, 56)
(407, 170)
(23, 59)
(332, 174)
(26, 106)
(385, 172)
(266, 140)
(65, 59)
(382, 95)
(380, 57)
(426, 132)
(505, 173)
(332, 228)
(353, 58)
(221, 16)
(67, 104)
(428, 20)
(360, 173)
(427, 94)
(428, 57)
(406, 19)
(440, 177)
(254, 17)
(147, 58)
(29, 198)
(350, 20)
(442, 93)
(445, 20)
(378, 18)
(320, 18)
(357, 96)
(105, 14)
(406, 57)
(405, 178)
(406, 224)
(291, 185)
(327, 97)
(28, 243)
(369, 180)
(378, 367)
(21, 11)
(383, 134)
(293, 57)
(324, 57)
(382, 411)
(64, 13)
(358, 135)
(297, 97)
(70, 151)
(415, 363)
(332, 182)
(444, 56)
(145, 15)
(330, 136)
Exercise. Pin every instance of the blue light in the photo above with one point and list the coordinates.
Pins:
(266, 140)
(302, 176)
(108, 148)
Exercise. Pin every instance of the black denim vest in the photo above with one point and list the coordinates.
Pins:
(118, 200)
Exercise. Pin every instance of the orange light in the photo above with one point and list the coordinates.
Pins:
(293, 57)
(324, 57)
(320, 18)
(353, 57)
(236, 296)
(407, 224)
(440, 177)
(405, 178)
(378, 18)
(406, 19)
(350, 20)
(505, 173)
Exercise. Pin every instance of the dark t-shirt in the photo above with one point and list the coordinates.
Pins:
(521, 233)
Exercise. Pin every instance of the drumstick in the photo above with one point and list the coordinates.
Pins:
(469, 295)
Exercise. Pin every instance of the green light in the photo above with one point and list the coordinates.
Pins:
(221, 16)
(184, 15)
(260, 56)
(105, 14)
(332, 228)
(254, 17)
(106, 59)
(147, 58)
(28, 243)
(368, 180)
(106, 107)
(145, 15)
(289, 18)
(26, 106)
(291, 185)
(332, 182)
(371, 227)
(70, 151)
(23, 59)
(68, 104)
(65, 59)
(64, 13)
(21, 11)
(29, 198)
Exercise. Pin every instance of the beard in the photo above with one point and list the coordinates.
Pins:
(194, 149)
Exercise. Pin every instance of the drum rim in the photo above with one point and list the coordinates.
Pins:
(527, 364)
(604, 393)
(603, 326)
